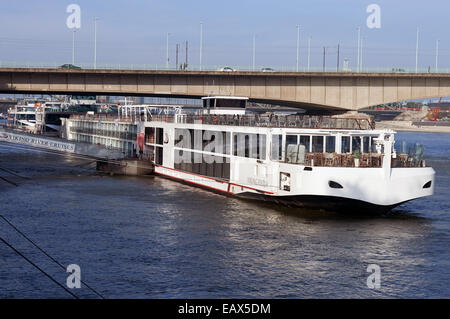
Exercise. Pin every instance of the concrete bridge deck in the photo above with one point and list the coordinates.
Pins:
(332, 91)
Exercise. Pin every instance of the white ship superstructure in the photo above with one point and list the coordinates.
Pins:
(296, 160)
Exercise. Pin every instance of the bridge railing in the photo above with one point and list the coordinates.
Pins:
(223, 68)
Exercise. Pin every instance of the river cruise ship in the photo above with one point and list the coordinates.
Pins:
(336, 162)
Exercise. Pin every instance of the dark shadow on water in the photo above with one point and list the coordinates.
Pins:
(398, 213)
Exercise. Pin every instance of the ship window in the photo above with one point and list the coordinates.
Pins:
(305, 140)
(249, 145)
(230, 103)
(356, 143)
(215, 141)
(277, 147)
(159, 135)
(179, 137)
(196, 139)
(208, 137)
(366, 140)
(345, 144)
(215, 166)
(206, 103)
(373, 146)
(334, 184)
(227, 142)
(291, 139)
(159, 156)
(261, 146)
(317, 144)
(183, 138)
(330, 144)
(149, 134)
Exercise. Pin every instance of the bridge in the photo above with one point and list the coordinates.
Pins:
(327, 91)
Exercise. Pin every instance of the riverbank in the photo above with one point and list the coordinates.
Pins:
(410, 126)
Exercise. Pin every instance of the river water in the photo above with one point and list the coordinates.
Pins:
(149, 237)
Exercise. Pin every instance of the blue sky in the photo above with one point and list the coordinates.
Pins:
(134, 31)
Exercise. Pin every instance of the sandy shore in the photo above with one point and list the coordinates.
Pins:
(408, 126)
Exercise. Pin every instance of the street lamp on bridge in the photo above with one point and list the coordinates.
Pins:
(359, 49)
(201, 44)
(417, 49)
(167, 50)
(298, 46)
(95, 43)
(254, 52)
(437, 54)
(73, 46)
(309, 52)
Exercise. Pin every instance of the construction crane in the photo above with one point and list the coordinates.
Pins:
(435, 111)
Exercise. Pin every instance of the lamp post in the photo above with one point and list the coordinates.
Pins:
(254, 51)
(309, 51)
(177, 48)
(298, 47)
(359, 49)
(338, 57)
(201, 44)
(73, 46)
(361, 55)
(437, 55)
(417, 49)
(95, 43)
(167, 50)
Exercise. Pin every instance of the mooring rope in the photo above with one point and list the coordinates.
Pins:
(46, 254)
(8, 181)
(13, 173)
(37, 267)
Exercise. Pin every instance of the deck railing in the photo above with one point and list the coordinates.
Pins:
(286, 121)
(105, 133)
(343, 160)
(373, 160)
(253, 120)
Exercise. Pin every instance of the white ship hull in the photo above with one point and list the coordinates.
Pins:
(364, 190)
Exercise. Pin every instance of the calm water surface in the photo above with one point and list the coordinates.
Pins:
(154, 238)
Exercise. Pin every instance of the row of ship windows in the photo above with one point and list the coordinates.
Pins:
(117, 127)
(252, 145)
(128, 147)
(327, 144)
(104, 133)
(215, 166)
